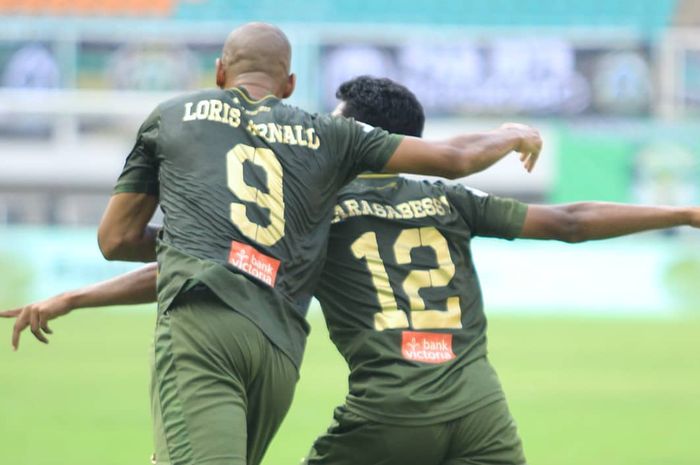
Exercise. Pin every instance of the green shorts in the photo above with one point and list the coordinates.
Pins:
(487, 436)
(220, 389)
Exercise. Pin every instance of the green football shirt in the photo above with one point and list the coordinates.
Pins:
(402, 299)
(247, 189)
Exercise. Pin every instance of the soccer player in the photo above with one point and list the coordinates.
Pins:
(247, 185)
(403, 304)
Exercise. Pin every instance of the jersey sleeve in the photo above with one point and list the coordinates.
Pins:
(488, 215)
(360, 147)
(140, 173)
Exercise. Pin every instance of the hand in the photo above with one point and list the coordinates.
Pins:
(36, 316)
(530, 143)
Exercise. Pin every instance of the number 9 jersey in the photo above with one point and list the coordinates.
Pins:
(247, 189)
(402, 299)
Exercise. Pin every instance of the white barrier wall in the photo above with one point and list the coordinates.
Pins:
(617, 277)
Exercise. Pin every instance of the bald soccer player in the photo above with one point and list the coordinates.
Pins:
(247, 185)
(422, 391)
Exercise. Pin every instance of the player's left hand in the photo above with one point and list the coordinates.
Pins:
(530, 145)
(36, 316)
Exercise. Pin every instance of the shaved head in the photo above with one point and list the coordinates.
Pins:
(257, 49)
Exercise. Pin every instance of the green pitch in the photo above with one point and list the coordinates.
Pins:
(584, 391)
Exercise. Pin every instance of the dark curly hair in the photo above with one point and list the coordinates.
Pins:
(383, 103)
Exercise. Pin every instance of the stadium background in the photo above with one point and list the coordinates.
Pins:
(597, 345)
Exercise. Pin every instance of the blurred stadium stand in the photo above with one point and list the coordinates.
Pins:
(136, 8)
(77, 77)
(647, 15)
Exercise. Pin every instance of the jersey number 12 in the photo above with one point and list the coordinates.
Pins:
(390, 316)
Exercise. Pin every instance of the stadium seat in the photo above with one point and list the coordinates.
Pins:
(646, 15)
(132, 8)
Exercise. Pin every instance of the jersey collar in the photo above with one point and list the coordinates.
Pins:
(244, 93)
(377, 176)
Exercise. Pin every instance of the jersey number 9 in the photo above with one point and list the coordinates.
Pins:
(273, 199)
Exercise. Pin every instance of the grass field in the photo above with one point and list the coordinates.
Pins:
(584, 391)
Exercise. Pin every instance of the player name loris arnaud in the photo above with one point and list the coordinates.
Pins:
(221, 112)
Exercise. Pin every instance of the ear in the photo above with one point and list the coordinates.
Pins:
(220, 74)
(290, 85)
(338, 111)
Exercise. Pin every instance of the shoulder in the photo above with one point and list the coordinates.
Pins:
(355, 187)
(286, 111)
(462, 190)
(419, 184)
(340, 123)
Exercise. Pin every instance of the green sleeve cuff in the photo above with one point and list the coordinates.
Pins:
(519, 214)
(136, 187)
(390, 147)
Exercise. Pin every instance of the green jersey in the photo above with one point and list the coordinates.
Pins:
(247, 189)
(402, 299)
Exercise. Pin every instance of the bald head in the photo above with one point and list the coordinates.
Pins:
(256, 50)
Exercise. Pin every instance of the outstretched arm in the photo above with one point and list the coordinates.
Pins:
(124, 232)
(136, 287)
(585, 221)
(467, 154)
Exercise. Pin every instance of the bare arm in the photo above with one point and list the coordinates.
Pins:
(124, 232)
(584, 221)
(136, 287)
(466, 154)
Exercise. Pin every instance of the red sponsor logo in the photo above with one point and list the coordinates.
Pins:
(427, 347)
(254, 263)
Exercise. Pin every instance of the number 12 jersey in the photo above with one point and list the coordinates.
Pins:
(402, 299)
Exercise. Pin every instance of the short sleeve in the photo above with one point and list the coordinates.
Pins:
(140, 173)
(488, 215)
(360, 147)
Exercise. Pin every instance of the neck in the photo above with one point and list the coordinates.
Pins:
(258, 85)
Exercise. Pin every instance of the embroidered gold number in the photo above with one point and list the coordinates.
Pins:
(416, 280)
(273, 200)
(391, 317)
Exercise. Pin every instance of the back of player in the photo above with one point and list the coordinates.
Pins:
(403, 305)
(247, 188)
